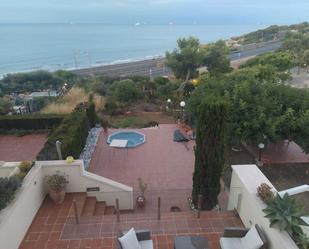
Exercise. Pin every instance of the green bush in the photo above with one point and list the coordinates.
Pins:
(25, 166)
(92, 115)
(111, 107)
(30, 122)
(126, 91)
(8, 187)
(72, 133)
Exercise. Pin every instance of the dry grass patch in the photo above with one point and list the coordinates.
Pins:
(68, 102)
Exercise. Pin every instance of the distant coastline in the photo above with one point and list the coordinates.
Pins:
(51, 47)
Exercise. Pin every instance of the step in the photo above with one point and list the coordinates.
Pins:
(89, 206)
(80, 199)
(100, 208)
(109, 210)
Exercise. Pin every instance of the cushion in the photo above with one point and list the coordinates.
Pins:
(146, 244)
(230, 243)
(129, 240)
(252, 240)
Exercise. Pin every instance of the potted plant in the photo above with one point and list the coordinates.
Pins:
(286, 213)
(141, 200)
(56, 187)
(265, 193)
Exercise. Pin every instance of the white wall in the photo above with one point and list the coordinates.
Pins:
(9, 168)
(16, 218)
(80, 180)
(243, 197)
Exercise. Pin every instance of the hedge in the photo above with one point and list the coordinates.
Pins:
(30, 122)
(8, 188)
(72, 133)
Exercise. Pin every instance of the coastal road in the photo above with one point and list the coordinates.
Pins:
(156, 67)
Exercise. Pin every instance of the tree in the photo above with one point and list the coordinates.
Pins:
(209, 152)
(185, 60)
(217, 58)
(260, 109)
(38, 80)
(126, 91)
(5, 105)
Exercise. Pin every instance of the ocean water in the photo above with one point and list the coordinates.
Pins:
(25, 47)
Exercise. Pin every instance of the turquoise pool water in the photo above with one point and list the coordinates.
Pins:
(134, 138)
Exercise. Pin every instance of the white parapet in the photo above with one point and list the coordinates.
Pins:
(295, 190)
(243, 198)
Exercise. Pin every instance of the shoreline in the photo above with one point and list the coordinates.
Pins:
(150, 66)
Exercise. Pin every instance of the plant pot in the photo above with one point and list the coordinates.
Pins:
(141, 201)
(56, 196)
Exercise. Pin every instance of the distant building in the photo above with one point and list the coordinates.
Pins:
(52, 94)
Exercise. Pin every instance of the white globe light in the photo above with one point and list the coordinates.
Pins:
(182, 104)
(169, 101)
(261, 146)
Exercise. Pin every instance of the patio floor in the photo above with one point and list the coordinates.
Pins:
(283, 152)
(54, 227)
(162, 163)
(14, 148)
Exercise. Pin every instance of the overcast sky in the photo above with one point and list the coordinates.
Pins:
(154, 11)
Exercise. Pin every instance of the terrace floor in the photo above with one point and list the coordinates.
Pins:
(162, 163)
(54, 227)
(283, 152)
(14, 148)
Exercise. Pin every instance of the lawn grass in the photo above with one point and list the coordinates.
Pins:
(128, 122)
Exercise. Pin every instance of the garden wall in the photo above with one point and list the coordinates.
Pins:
(243, 197)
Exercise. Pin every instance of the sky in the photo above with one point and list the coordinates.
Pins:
(155, 11)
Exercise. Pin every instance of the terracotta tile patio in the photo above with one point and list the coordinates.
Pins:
(166, 166)
(13, 148)
(162, 163)
(54, 227)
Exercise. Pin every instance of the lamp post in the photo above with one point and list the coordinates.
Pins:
(261, 147)
(182, 105)
(169, 101)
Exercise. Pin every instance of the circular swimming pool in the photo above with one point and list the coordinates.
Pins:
(134, 138)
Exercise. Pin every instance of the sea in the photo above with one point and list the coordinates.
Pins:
(28, 47)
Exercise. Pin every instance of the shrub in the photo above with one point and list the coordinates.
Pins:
(25, 166)
(265, 193)
(29, 122)
(21, 175)
(8, 187)
(111, 108)
(92, 115)
(126, 91)
(72, 133)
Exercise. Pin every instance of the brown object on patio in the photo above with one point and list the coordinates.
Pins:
(232, 233)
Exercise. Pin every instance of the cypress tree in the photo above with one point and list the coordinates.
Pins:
(209, 152)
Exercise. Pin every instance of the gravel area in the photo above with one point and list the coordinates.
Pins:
(89, 148)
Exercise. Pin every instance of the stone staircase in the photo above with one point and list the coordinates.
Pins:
(89, 206)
